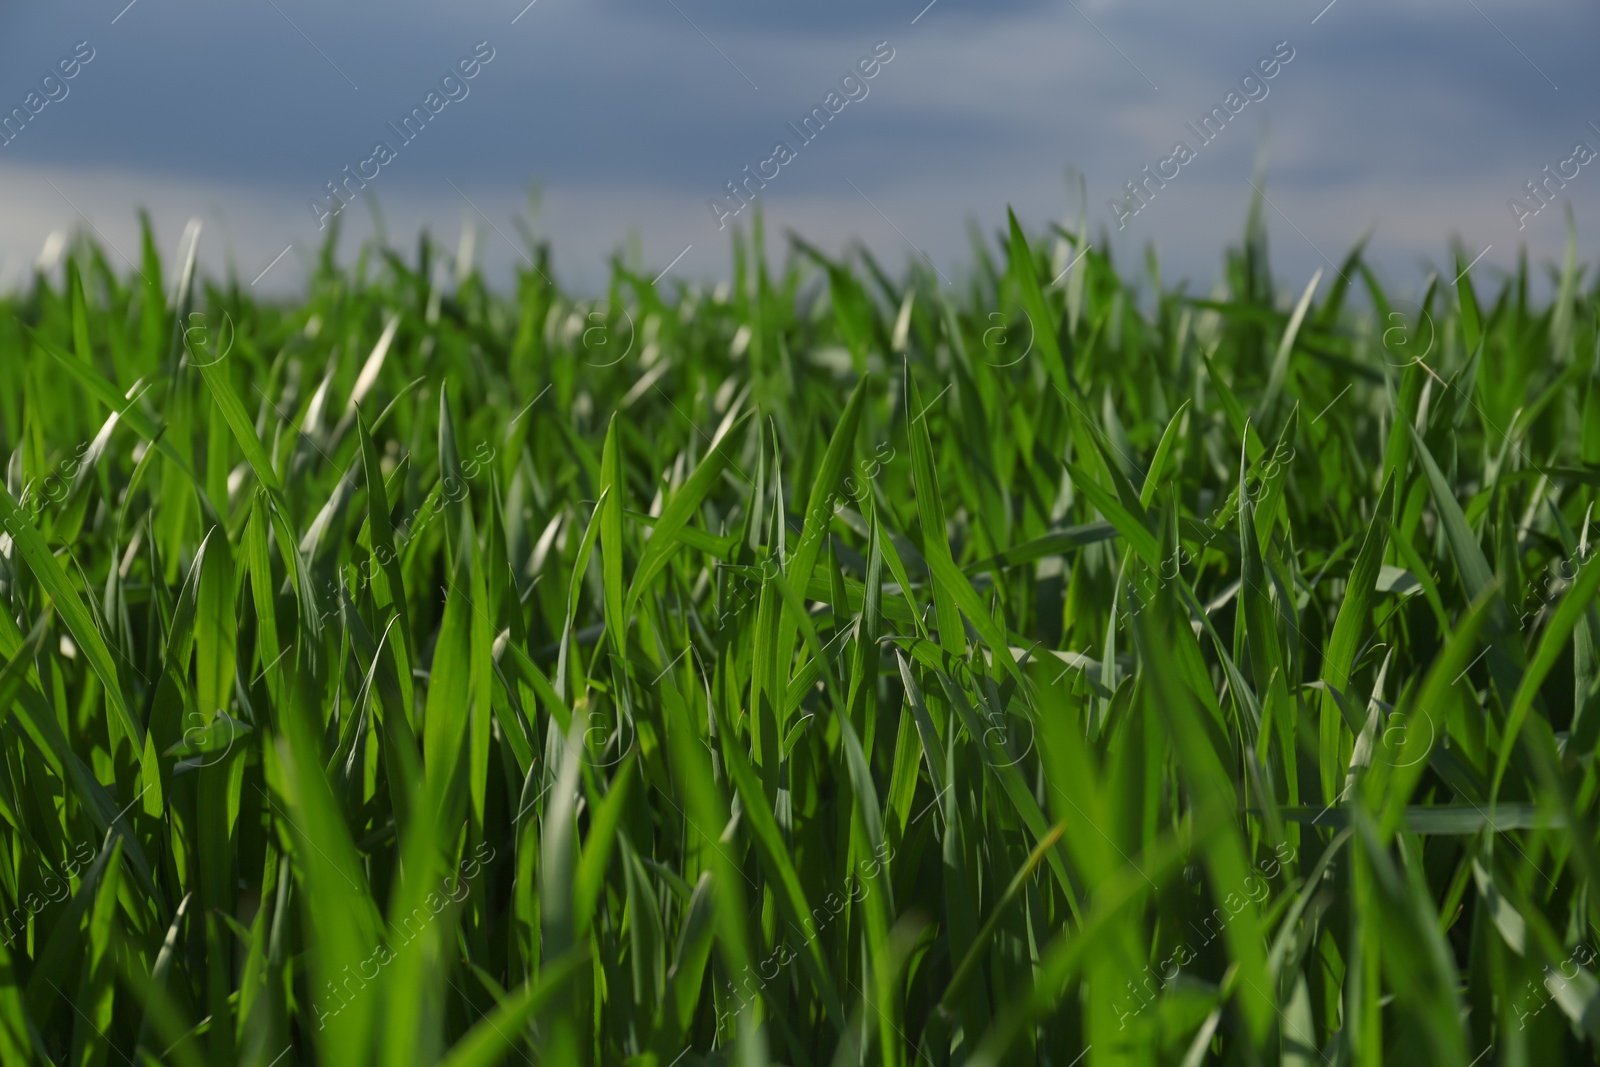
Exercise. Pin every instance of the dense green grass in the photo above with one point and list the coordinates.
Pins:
(823, 669)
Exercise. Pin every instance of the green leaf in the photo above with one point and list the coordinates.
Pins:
(1033, 302)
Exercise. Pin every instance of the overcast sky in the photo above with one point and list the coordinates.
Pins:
(1419, 119)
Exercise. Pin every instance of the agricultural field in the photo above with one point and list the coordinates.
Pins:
(1057, 667)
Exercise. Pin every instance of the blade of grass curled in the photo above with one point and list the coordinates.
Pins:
(819, 515)
(244, 431)
(610, 512)
(970, 962)
(1115, 900)
(1022, 268)
(1396, 770)
(47, 570)
(492, 1037)
(774, 852)
(1360, 593)
(1158, 465)
(1280, 362)
(388, 588)
(127, 406)
(1577, 600)
(1213, 797)
(664, 539)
